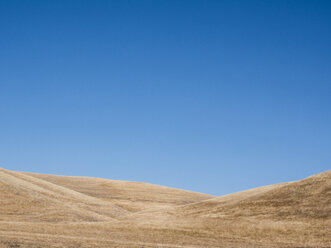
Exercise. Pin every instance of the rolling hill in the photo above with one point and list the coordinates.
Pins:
(38, 210)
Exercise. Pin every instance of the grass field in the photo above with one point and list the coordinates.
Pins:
(39, 210)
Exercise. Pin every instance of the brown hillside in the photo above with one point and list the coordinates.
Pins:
(132, 196)
(288, 214)
(57, 211)
(25, 198)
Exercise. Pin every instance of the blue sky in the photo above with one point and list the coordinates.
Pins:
(209, 96)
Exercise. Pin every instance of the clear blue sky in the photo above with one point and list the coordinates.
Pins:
(209, 96)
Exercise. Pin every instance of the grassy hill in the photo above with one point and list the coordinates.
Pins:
(39, 210)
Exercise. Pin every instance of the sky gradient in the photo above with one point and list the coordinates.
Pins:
(209, 96)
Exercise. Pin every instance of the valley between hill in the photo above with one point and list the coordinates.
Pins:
(38, 210)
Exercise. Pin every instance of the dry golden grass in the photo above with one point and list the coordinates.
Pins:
(132, 196)
(57, 211)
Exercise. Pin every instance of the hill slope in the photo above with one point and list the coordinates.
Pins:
(287, 214)
(25, 198)
(132, 196)
(57, 211)
(306, 199)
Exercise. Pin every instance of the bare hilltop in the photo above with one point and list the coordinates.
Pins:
(38, 210)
